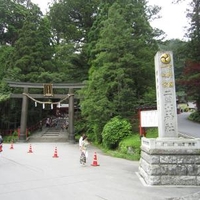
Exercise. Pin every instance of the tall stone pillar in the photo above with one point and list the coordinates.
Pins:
(71, 117)
(23, 123)
(166, 95)
(168, 159)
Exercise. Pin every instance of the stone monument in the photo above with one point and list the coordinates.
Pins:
(168, 159)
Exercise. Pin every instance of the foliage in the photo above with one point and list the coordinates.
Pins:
(108, 43)
(12, 15)
(72, 65)
(5, 52)
(132, 142)
(191, 81)
(121, 71)
(114, 131)
(33, 50)
(129, 147)
(193, 32)
(135, 156)
(152, 133)
(4, 92)
(72, 19)
(195, 116)
(191, 74)
(80, 125)
(11, 138)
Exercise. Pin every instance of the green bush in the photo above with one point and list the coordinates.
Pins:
(10, 138)
(195, 116)
(114, 131)
(129, 147)
(15, 134)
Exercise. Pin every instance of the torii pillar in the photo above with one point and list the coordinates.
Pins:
(71, 116)
(22, 136)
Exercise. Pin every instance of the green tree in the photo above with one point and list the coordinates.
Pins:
(193, 14)
(33, 51)
(12, 15)
(191, 81)
(123, 69)
(72, 19)
(191, 75)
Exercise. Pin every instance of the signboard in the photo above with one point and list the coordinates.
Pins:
(149, 118)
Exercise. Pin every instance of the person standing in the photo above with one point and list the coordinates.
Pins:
(48, 122)
(84, 150)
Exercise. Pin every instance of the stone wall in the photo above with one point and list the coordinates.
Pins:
(170, 161)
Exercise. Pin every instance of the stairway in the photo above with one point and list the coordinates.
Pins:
(55, 133)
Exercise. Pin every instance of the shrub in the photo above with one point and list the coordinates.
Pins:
(129, 147)
(195, 116)
(10, 138)
(114, 131)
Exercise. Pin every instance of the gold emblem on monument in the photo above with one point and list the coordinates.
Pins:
(165, 58)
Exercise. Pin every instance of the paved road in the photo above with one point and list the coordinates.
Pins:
(39, 176)
(188, 127)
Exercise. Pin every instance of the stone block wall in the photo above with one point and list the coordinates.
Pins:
(170, 161)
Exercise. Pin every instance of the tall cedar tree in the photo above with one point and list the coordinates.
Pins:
(194, 30)
(191, 74)
(12, 16)
(71, 20)
(122, 70)
(33, 50)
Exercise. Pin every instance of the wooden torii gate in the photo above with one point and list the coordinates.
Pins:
(48, 92)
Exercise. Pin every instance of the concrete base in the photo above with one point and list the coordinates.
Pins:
(171, 161)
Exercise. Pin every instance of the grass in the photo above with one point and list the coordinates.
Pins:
(129, 148)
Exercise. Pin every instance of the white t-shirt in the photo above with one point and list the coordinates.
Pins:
(80, 141)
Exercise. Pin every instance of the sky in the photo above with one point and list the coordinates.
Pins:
(173, 18)
(172, 22)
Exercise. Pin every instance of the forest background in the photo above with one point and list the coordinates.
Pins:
(107, 44)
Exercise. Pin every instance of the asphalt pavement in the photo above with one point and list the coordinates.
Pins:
(187, 127)
(40, 176)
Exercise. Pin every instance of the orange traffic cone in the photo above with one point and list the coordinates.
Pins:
(30, 149)
(55, 153)
(11, 146)
(95, 163)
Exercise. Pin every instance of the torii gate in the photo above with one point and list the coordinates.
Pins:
(48, 92)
